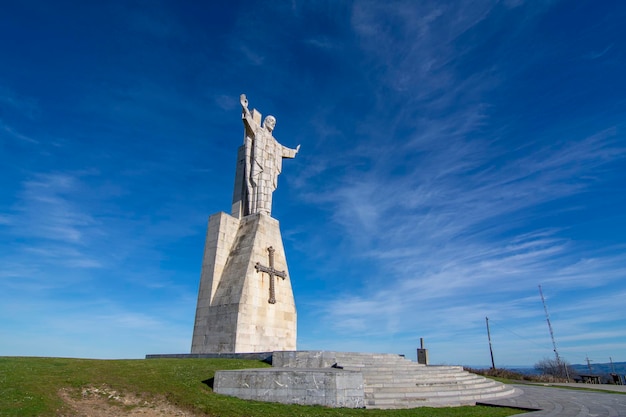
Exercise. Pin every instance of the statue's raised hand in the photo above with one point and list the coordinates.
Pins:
(243, 100)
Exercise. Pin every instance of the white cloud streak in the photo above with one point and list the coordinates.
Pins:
(456, 225)
(47, 209)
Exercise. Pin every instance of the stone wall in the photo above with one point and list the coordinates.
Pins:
(326, 387)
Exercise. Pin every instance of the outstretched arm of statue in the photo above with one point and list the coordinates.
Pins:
(290, 153)
(244, 108)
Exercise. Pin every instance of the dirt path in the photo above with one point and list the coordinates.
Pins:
(106, 402)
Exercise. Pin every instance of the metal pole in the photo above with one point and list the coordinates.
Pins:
(493, 364)
(619, 377)
(556, 353)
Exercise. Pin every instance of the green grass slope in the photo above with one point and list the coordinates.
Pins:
(31, 386)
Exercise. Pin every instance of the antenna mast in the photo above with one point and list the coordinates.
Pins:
(559, 363)
(493, 364)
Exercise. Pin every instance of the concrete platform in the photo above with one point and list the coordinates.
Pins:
(254, 356)
(334, 379)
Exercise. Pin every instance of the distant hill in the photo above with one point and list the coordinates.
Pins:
(602, 368)
(596, 369)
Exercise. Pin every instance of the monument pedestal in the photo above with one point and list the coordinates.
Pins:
(245, 300)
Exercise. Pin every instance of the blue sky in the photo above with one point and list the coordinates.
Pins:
(455, 155)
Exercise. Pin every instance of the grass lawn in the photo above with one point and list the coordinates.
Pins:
(31, 387)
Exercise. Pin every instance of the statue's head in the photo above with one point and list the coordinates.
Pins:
(269, 123)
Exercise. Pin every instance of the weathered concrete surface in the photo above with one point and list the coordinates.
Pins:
(328, 387)
(233, 313)
(328, 358)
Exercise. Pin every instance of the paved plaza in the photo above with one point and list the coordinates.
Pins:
(554, 401)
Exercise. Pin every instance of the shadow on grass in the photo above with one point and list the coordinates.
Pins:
(209, 382)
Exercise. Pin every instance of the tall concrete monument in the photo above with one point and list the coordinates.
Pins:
(245, 300)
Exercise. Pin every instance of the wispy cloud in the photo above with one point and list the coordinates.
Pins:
(454, 155)
(26, 106)
(66, 256)
(17, 108)
(50, 235)
(412, 44)
(454, 223)
(599, 54)
(67, 227)
(47, 209)
(110, 330)
(253, 56)
(14, 134)
(226, 102)
(451, 193)
(439, 238)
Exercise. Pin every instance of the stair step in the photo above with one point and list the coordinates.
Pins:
(441, 390)
(430, 387)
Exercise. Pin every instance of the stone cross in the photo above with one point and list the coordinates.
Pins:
(272, 273)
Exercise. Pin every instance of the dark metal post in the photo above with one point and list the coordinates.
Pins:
(493, 364)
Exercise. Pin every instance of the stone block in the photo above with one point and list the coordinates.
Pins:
(294, 386)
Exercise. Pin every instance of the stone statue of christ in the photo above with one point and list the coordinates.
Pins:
(264, 156)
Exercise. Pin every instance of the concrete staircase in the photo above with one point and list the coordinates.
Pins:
(357, 380)
(391, 381)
